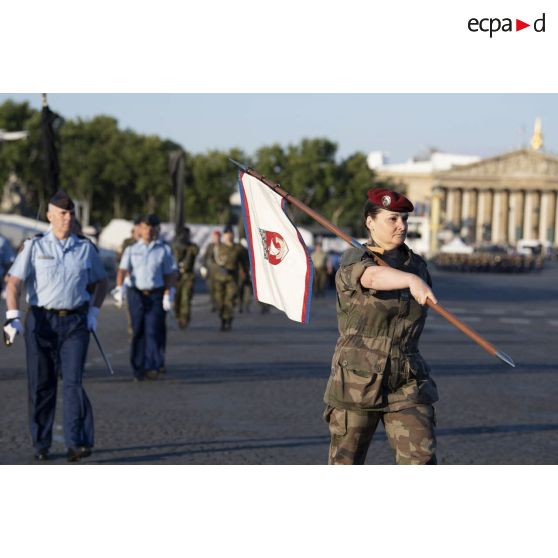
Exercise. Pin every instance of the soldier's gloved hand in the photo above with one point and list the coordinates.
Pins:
(12, 326)
(168, 299)
(203, 271)
(118, 295)
(92, 314)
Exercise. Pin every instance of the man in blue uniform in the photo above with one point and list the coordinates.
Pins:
(6, 258)
(66, 285)
(152, 270)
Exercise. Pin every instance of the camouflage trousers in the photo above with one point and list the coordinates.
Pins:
(410, 433)
(225, 290)
(183, 298)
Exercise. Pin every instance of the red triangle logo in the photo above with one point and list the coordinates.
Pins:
(519, 25)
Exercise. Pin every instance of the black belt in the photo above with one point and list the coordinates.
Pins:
(147, 292)
(64, 312)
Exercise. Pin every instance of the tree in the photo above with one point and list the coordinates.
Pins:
(213, 179)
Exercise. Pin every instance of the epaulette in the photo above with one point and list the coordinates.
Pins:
(83, 237)
(33, 238)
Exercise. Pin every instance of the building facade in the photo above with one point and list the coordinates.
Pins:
(500, 199)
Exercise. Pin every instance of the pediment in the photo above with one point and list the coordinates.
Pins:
(524, 163)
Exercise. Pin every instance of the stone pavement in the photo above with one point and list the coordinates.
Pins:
(254, 395)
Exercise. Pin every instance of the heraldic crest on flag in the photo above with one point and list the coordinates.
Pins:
(275, 247)
(281, 267)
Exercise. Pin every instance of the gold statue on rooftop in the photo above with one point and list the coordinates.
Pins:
(537, 139)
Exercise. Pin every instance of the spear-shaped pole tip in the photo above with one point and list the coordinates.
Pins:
(506, 358)
(239, 165)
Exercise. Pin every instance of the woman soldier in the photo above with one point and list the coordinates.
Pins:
(377, 371)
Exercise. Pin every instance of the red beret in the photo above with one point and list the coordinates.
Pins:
(389, 200)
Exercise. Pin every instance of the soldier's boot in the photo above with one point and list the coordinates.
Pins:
(223, 324)
(152, 374)
(229, 324)
(183, 323)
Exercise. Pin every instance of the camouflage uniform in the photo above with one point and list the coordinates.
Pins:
(185, 255)
(244, 282)
(377, 371)
(228, 260)
(211, 266)
(319, 261)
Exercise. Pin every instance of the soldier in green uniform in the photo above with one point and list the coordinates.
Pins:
(135, 235)
(320, 263)
(185, 253)
(377, 371)
(209, 268)
(228, 260)
(244, 280)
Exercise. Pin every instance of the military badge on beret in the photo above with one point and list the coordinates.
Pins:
(388, 199)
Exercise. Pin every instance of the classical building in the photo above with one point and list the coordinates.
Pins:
(499, 199)
(417, 175)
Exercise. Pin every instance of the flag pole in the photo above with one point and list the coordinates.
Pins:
(437, 307)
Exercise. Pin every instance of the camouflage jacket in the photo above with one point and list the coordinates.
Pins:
(185, 256)
(228, 259)
(377, 365)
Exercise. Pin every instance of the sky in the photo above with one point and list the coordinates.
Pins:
(402, 125)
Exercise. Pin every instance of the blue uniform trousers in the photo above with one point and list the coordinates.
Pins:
(57, 343)
(148, 330)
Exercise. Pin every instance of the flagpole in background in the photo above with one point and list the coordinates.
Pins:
(454, 320)
(49, 121)
(176, 168)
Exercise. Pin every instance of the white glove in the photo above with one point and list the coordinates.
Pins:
(203, 271)
(12, 327)
(118, 294)
(168, 299)
(92, 318)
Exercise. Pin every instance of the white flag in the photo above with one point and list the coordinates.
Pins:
(282, 270)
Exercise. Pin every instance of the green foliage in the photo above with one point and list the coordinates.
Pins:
(121, 173)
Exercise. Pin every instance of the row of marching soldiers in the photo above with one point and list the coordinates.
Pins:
(66, 283)
(225, 266)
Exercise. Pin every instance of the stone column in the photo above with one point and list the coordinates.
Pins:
(528, 216)
(465, 203)
(505, 215)
(555, 239)
(495, 232)
(520, 198)
(480, 214)
(536, 205)
(512, 216)
(450, 206)
(435, 217)
(473, 195)
(458, 208)
(543, 216)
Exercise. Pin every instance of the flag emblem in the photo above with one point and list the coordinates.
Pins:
(279, 261)
(274, 246)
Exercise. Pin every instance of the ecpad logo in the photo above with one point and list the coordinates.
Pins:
(493, 25)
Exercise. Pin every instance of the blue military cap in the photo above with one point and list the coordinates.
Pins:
(228, 229)
(62, 200)
(152, 220)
